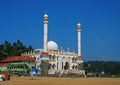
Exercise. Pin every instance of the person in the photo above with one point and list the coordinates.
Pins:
(84, 76)
(32, 75)
(8, 76)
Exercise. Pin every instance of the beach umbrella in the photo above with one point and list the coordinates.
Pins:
(35, 69)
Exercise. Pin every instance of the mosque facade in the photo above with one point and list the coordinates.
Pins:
(58, 61)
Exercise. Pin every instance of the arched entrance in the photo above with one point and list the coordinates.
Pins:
(66, 67)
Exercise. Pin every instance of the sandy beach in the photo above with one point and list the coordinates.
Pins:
(61, 81)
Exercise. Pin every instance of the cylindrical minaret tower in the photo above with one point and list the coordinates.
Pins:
(79, 39)
(79, 60)
(44, 55)
(45, 32)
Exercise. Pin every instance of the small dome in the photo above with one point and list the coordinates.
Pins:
(45, 15)
(52, 45)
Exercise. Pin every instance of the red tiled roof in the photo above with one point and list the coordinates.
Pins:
(17, 58)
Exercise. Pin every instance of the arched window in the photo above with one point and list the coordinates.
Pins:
(50, 66)
(73, 66)
(73, 59)
(57, 58)
(53, 57)
(53, 66)
(62, 65)
(50, 57)
(57, 65)
(76, 67)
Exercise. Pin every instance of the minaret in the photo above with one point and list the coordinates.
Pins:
(79, 59)
(44, 55)
(79, 39)
(45, 32)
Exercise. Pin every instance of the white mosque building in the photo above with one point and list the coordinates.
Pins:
(59, 61)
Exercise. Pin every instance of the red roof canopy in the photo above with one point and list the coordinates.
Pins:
(17, 58)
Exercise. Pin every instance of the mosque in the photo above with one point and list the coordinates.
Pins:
(51, 60)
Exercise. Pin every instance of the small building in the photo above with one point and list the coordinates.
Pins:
(17, 64)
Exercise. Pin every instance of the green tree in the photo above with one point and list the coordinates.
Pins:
(8, 49)
(109, 67)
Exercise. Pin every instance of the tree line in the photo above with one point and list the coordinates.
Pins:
(106, 67)
(8, 49)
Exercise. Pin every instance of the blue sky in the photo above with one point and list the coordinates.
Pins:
(100, 20)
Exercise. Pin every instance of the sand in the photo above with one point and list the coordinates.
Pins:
(61, 81)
